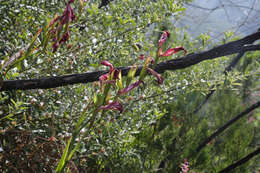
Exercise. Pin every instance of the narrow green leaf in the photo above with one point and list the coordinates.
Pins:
(74, 150)
(63, 158)
(7, 117)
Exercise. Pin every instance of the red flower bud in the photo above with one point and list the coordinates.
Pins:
(65, 37)
(164, 37)
(106, 63)
(68, 15)
(141, 57)
(55, 46)
(113, 106)
(157, 75)
(103, 77)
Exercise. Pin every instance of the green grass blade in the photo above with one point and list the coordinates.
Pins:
(63, 158)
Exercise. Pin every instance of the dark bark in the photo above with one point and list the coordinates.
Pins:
(175, 64)
(241, 162)
(225, 126)
(104, 3)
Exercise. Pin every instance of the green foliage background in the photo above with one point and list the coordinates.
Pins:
(157, 129)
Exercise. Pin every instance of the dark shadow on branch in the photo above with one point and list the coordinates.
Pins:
(240, 162)
(104, 3)
(229, 123)
(175, 64)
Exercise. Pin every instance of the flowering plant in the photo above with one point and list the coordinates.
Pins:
(110, 83)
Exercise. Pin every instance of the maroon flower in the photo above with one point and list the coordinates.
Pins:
(103, 77)
(164, 37)
(65, 19)
(110, 82)
(54, 21)
(130, 87)
(68, 15)
(65, 37)
(55, 46)
(106, 63)
(157, 75)
(112, 71)
(171, 51)
(115, 74)
(141, 57)
(113, 106)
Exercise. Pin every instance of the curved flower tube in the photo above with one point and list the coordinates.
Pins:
(157, 75)
(130, 87)
(106, 63)
(164, 37)
(113, 106)
(171, 51)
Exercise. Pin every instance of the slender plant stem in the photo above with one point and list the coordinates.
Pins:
(241, 161)
(228, 124)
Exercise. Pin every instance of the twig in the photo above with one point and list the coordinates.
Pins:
(175, 64)
(229, 123)
(241, 162)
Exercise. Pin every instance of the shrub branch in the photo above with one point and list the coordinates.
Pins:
(241, 161)
(228, 124)
(230, 48)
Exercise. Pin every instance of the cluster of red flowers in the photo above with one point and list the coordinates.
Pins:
(113, 74)
(63, 22)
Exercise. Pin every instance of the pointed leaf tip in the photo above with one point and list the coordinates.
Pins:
(172, 51)
(157, 75)
(113, 106)
(130, 87)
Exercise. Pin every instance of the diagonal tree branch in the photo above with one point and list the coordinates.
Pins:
(225, 126)
(242, 161)
(175, 64)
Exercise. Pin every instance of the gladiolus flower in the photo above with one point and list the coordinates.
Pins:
(103, 77)
(66, 18)
(55, 46)
(65, 37)
(113, 106)
(164, 37)
(115, 74)
(171, 51)
(54, 21)
(141, 57)
(106, 63)
(112, 70)
(130, 87)
(157, 75)
(68, 14)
